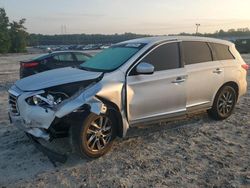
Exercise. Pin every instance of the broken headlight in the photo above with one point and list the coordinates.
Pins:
(48, 99)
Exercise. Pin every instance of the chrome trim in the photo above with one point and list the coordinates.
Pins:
(158, 117)
(198, 104)
(13, 92)
(13, 107)
(177, 81)
(218, 71)
(12, 101)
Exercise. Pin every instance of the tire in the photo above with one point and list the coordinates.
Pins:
(94, 136)
(224, 103)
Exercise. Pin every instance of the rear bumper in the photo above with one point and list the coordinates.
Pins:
(242, 87)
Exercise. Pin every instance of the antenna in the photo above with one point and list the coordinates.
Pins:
(197, 28)
(65, 30)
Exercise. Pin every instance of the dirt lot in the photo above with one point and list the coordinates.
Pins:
(194, 152)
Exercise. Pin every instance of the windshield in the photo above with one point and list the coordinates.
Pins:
(111, 58)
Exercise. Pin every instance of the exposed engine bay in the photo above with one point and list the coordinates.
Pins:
(55, 95)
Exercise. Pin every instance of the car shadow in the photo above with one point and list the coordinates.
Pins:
(191, 122)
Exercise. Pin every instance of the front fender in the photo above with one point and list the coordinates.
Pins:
(86, 97)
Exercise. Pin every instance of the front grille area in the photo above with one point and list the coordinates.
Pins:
(13, 104)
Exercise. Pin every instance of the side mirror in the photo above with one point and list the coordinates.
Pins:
(145, 68)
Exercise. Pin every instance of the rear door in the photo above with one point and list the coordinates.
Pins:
(205, 74)
(228, 61)
(161, 94)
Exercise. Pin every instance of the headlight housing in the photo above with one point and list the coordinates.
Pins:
(36, 100)
(47, 99)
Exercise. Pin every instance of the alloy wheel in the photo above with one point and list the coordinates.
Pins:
(226, 102)
(99, 133)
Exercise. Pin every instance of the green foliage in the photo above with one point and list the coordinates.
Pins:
(4, 33)
(38, 39)
(18, 36)
(241, 32)
(12, 35)
(241, 37)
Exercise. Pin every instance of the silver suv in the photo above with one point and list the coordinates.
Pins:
(140, 81)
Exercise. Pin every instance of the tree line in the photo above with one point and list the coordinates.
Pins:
(13, 35)
(240, 32)
(81, 39)
(243, 45)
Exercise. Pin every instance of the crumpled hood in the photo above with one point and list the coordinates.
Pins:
(54, 78)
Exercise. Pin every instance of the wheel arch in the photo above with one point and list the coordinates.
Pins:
(116, 112)
(229, 83)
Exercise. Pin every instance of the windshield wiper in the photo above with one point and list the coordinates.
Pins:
(91, 69)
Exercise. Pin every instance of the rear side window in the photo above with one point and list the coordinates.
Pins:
(63, 57)
(196, 52)
(221, 51)
(164, 57)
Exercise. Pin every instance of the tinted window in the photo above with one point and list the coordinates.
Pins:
(196, 52)
(164, 57)
(63, 57)
(221, 51)
(41, 57)
(81, 57)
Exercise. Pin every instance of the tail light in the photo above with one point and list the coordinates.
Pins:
(29, 65)
(245, 66)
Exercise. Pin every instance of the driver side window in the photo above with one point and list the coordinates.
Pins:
(164, 57)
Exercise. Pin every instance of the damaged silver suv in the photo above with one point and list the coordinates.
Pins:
(135, 82)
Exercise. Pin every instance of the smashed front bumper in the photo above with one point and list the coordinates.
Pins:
(31, 119)
(36, 132)
(36, 120)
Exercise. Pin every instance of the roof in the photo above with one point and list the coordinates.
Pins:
(154, 40)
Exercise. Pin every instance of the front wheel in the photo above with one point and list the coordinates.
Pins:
(94, 137)
(224, 103)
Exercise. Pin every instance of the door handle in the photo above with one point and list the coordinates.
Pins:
(217, 71)
(179, 80)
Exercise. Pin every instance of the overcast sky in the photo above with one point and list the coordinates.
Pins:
(137, 16)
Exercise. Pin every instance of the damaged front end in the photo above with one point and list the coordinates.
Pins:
(55, 103)
(38, 113)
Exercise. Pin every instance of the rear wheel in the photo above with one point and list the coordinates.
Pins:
(224, 103)
(94, 137)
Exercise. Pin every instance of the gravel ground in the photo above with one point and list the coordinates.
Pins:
(191, 152)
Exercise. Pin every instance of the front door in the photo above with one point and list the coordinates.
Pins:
(161, 94)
